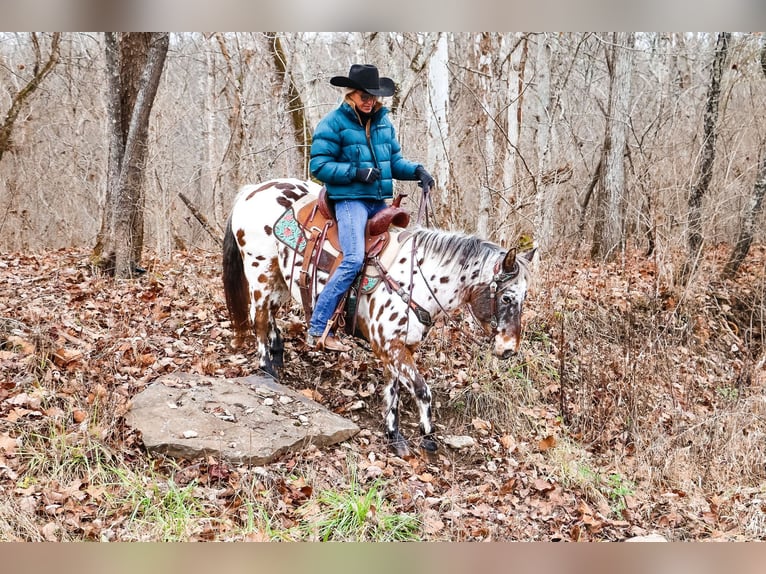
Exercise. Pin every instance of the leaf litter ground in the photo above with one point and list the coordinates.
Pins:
(635, 407)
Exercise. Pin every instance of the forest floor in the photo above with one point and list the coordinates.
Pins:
(634, 407)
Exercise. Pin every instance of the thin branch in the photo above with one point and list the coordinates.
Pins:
(201, 218)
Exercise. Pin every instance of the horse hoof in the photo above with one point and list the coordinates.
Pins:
(398, 444)
(429, 444)
(269, 370)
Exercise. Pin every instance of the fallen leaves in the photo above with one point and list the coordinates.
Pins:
(75, 347)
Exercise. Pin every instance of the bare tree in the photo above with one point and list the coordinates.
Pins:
(544, 130)
(707, 158)
(749, 218)
(517, 50)
(41, 67)
(486, 49)
(134, 67)
(608, 233)
(293, 101)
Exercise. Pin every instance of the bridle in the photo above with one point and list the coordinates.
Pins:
(498, 282)
(499, 278)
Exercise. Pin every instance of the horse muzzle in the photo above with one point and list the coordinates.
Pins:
(506, 345)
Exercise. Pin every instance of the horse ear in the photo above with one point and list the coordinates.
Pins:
(529, 255)
(509, 262)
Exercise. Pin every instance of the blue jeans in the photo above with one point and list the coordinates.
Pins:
(352, 216)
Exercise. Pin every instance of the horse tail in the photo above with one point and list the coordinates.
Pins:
(235, 285)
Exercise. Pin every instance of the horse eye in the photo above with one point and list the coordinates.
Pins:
(506, 298)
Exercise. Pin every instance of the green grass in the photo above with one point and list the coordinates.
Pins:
(54, 454)
(357, 514)
(158, 509)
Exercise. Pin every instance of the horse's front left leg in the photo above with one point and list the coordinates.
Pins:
(395, 439)
(401, 365)
(276, 348)
(267, 337)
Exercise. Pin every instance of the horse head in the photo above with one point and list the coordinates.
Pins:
(498, 305)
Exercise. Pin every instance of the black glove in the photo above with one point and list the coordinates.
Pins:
(367, 174)
(426, 181)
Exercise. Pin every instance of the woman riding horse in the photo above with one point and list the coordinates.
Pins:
(355, 153)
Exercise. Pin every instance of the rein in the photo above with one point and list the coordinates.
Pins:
(422, 314)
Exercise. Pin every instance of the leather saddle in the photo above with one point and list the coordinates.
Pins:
(322, 251)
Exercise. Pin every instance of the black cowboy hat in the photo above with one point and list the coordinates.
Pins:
(365, 77)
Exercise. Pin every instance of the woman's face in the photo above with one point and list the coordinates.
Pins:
(364, 101)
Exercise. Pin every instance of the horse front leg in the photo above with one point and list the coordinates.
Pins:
(401, 365)
(276, 348)
(395, 439)
(268, 340)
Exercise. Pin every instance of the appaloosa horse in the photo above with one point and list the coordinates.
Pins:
(434, 272)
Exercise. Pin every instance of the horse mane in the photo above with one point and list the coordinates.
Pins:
(453, 248)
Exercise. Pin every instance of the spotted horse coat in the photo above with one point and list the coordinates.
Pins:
(451, 270)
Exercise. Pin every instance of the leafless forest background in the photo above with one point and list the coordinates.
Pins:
(516, 152)
(637, 402)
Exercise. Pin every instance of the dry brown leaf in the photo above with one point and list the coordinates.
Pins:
(508, 442)
(547, 443)
(543, 485)
(432, 523)
(24, 346)
(8, 444)
(51, 532)
(481, 424)
(312, 394)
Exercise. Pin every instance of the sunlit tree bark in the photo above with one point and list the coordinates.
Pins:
(438, 125)
(543, 191)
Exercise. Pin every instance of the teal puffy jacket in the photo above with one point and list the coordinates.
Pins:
(341, 145)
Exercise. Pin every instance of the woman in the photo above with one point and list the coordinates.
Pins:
(356, 154)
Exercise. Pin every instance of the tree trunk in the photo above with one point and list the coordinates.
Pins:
(707, 158)
(753, 209)
(134, 67)
(747, 227)
(543, 191)
(293, 103)
(609, 234)
(116, 144)
(227, 170)
(486, 51)
(438, 126)
(515, 84)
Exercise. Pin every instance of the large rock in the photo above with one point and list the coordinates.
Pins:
(249, 420)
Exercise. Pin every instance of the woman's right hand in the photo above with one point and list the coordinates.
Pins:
(367, 174)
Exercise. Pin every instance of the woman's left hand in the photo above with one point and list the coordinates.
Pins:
(426, 181)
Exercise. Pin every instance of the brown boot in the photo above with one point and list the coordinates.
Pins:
(332, 343)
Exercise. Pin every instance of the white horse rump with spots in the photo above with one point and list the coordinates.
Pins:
(435, 271)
